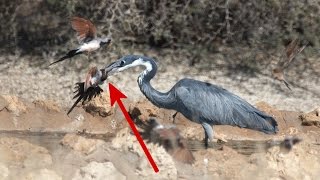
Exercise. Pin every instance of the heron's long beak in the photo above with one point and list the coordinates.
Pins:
(113, 68)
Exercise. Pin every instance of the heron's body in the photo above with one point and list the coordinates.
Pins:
(205, 103)
(198, 101)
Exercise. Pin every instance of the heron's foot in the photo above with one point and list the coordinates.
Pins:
(220, 137)
(174, 117)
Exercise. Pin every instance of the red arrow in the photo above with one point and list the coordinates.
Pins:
(116, 95)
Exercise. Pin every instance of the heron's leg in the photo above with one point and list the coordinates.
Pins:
(208, 132)
(174, 117)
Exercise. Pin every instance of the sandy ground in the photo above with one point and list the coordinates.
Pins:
(39, 141)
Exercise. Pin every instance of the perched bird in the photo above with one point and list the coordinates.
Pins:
(87, 38)
(169, 137)
(90, 88)
(291, 51)
(198, 101)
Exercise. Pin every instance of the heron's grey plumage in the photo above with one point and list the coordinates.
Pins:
(200, 102)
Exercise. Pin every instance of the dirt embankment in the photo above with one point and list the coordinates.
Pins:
(39, 141)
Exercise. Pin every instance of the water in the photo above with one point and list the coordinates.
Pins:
(51, 141)
(245, 147)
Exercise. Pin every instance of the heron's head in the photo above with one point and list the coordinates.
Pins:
(127, 62)
(105, 41)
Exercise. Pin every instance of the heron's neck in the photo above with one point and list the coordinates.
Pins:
(162, 100)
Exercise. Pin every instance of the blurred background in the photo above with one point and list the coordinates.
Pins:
(231, 42)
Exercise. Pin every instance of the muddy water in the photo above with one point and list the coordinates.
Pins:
(51, 141)
(245, 147)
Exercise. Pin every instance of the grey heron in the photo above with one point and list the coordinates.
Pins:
(86, 35)
(198, 101)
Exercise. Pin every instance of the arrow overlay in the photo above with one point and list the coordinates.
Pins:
(115, 96)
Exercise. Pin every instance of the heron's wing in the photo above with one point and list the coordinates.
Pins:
(204, 102)
(86, 31)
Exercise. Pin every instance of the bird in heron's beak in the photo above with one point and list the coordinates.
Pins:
(87, 38)
(90, 88)
(93, 78)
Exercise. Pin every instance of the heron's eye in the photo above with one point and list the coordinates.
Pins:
(122, 63)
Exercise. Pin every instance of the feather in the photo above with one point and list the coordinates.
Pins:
(86, 31)
(84, 95)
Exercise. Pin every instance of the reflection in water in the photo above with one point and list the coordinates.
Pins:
(51, 140)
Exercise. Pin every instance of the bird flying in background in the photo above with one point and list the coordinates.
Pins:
(87, 37)
(291, 51)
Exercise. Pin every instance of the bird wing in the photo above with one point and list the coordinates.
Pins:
(84, 95)
(291, 51)
(86, 31)
(204, 102)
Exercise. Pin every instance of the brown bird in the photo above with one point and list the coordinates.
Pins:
(89, 89)
(169, 137)
(291, 51)
(87, 37)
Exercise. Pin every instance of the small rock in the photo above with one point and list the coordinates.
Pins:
(43, 174)
(311, 119)
(142, 111)
(99, 105)
(81, 144)
(15, 105)
(95, 170)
